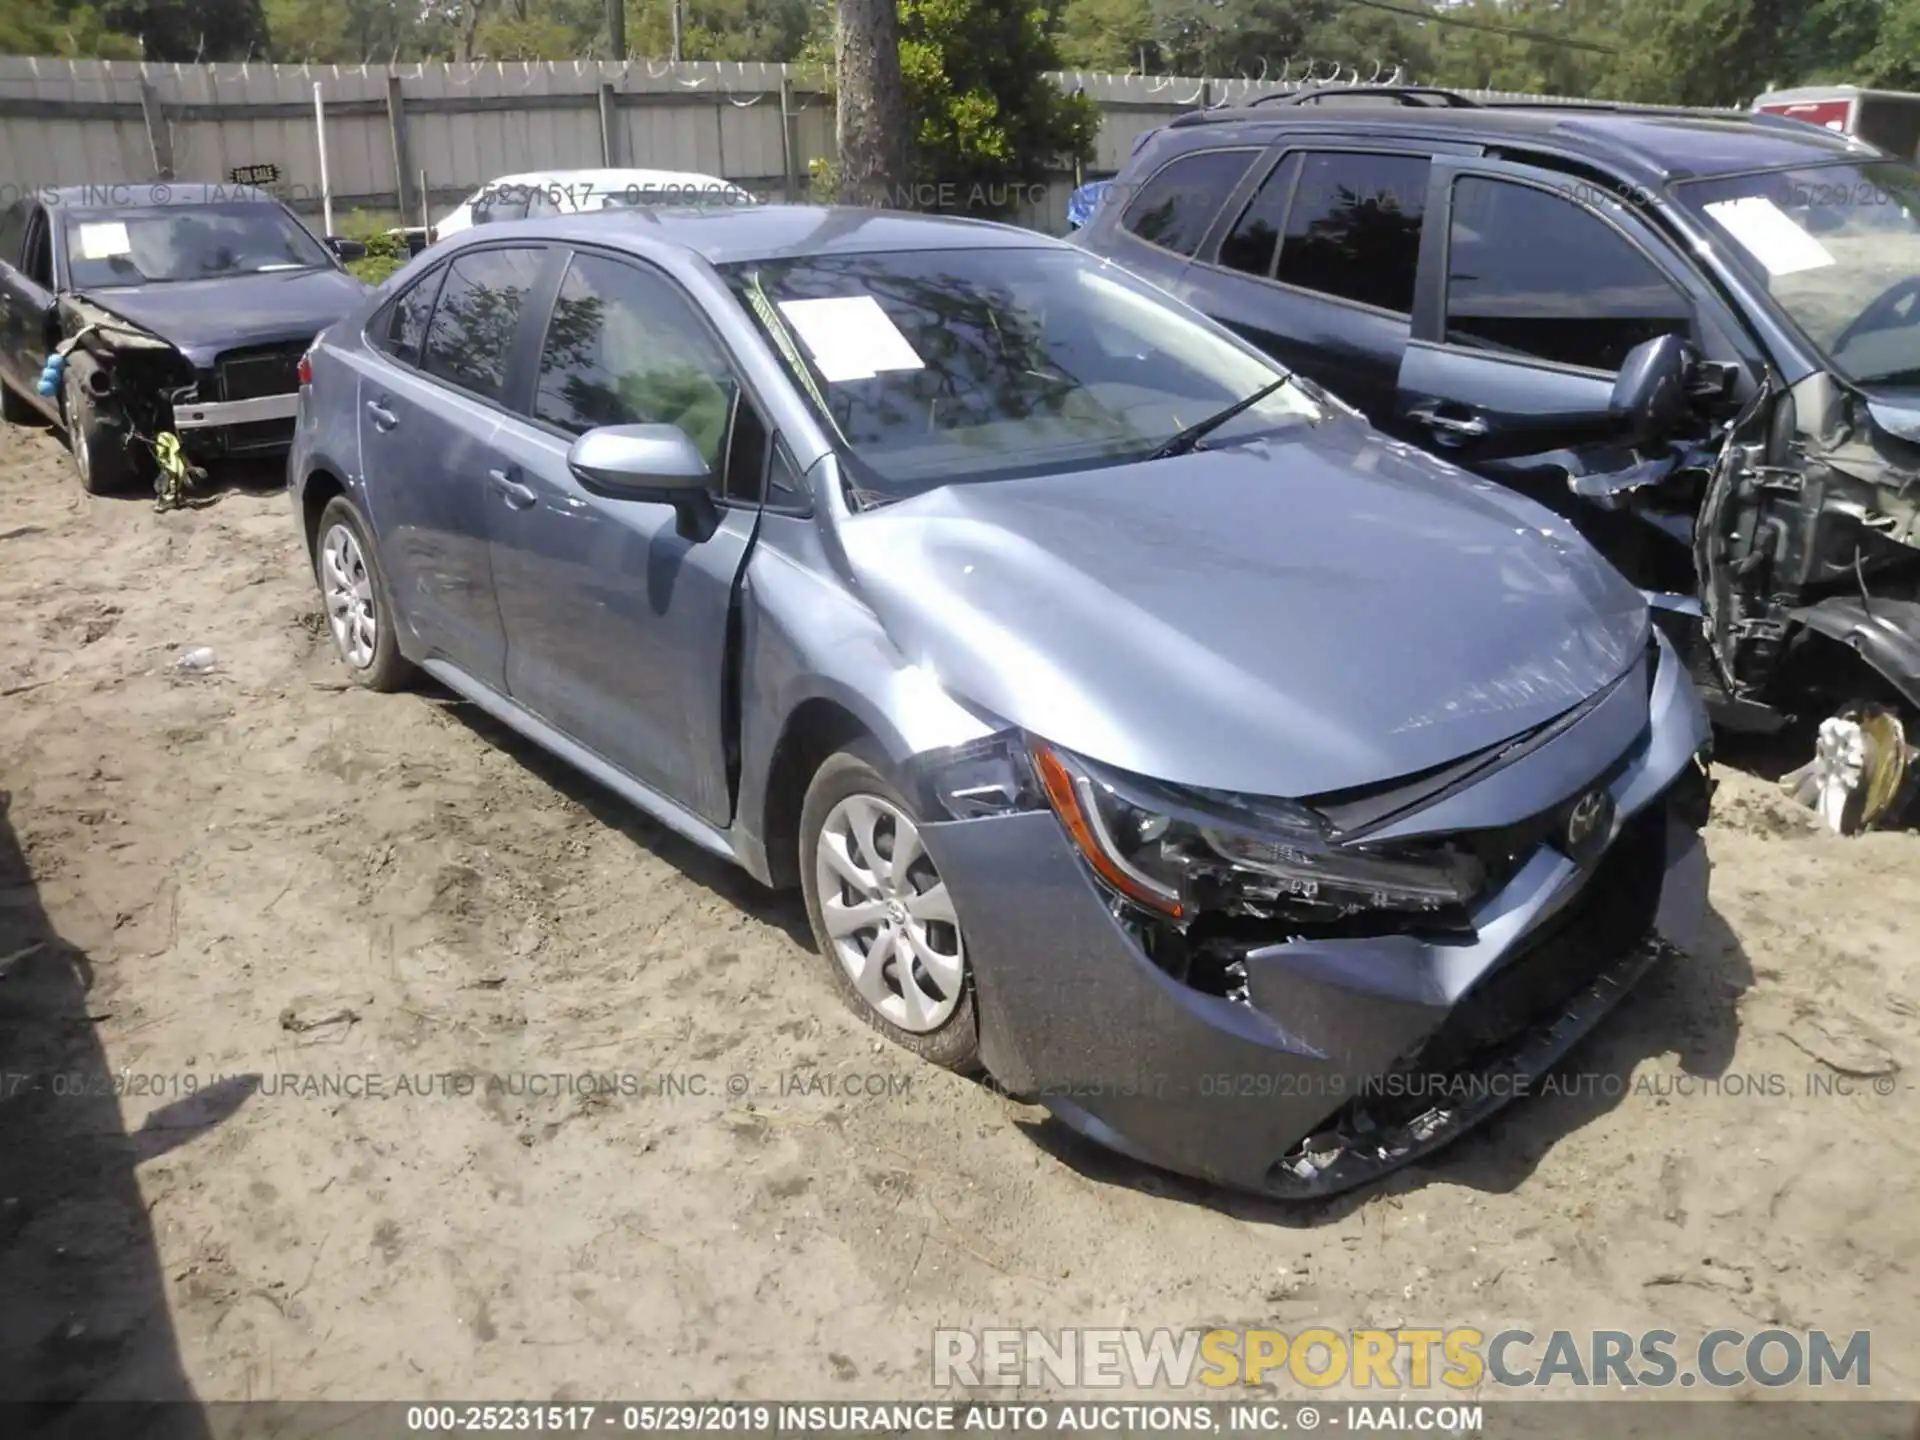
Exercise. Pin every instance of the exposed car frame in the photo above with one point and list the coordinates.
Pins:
(1748, 495)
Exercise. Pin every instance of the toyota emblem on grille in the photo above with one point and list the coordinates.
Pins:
(1588, 820)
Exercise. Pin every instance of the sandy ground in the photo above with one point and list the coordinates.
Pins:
(224, 891)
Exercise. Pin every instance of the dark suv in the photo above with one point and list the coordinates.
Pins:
(1480, 278)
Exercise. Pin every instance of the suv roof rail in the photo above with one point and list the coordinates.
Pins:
(1430, 95)
(1616, 107)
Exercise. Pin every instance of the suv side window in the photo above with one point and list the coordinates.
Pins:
(1254, 241)
(624, 347)
(13, 230)
(473, 326)
(405, 325)
(1175, 207)
(1353, 230)
(1530, 273)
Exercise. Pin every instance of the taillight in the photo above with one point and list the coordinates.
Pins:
(305, 369)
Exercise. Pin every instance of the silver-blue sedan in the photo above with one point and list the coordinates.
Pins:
(1267, 798)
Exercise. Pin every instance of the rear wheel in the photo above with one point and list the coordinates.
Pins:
(359, 614)
(881, 913)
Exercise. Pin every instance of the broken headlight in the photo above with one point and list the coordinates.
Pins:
(1177, 853)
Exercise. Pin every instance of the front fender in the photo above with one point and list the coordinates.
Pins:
(806, 637)
(1885, 634)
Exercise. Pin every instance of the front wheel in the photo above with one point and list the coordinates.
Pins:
(1858, 777)
(881, 913)
(100, 455)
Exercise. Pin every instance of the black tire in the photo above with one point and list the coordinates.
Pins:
(101, 458)
(16, 409)
(861, 769)
(387, 670)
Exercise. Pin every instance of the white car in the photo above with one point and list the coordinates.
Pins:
(571, 192)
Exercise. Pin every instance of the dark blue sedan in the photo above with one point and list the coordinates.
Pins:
(130, 312)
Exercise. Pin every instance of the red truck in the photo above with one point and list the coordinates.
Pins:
(1889, 119)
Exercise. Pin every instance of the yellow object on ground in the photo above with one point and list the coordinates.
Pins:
(173, 481)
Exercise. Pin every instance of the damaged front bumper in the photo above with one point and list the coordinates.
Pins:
(1342, 1058)
(240, 402)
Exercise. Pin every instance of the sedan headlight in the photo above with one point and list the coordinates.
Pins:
(1177, 853)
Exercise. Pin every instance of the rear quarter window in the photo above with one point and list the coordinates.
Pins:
(1178, 202)
(402, 326)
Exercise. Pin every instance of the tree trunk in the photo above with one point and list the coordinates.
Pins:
(870, 105)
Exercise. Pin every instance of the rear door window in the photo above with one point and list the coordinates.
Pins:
(471, 335)
(1353, 229)
(1532, 274)
(1254, 242)
(1175, 206)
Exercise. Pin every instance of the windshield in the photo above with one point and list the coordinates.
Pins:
(940, 365)
(1838, 246)
(204, 242)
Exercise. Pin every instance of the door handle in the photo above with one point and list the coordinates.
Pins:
(517, 495)
(383, 418)
(1464, 426)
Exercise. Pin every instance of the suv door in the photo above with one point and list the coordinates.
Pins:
(1533, 289)
(432, 397)
(617, 622)
(1318, 268)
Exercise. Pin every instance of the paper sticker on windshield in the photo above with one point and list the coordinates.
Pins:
(1770, 235)
(850, 337)
(104, 240)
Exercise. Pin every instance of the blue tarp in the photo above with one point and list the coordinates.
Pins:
(1081, 203)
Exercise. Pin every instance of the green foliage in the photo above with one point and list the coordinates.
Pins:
(989, 121)
(985, 121)
(386, 252)
(192, 30)
(31, 27)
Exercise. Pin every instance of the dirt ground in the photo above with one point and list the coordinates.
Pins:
(233, 897)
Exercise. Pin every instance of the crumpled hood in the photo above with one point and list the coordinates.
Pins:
(203, 317)
(1895, 409)
(1321, 610)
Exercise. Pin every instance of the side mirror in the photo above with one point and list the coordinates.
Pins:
(659, 463)
(1650, 394)
(346, 249)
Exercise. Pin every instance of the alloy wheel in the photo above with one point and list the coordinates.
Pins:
(888, 914)
(1858, 768)
(348, 591)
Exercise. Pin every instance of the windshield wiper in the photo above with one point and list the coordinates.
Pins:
(1189, 439)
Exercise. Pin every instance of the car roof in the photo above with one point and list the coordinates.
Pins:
(609, 179)
(1659, 144)
(128, 195)
(725, 234)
